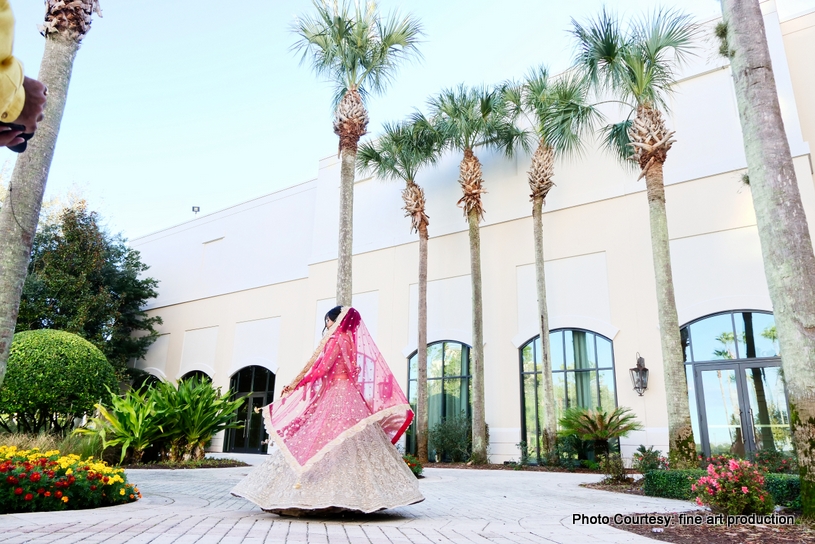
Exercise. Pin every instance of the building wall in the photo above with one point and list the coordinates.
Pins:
(250, 284)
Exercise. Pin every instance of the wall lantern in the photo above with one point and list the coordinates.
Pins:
(196, 209)
(639, 376)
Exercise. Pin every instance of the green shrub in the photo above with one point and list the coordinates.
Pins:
(671, 484)
(774, 461)
(413, 464)
(130, 424)
(191, 414)
(784, 488)
(52, 378)
(736, 489)
(599, 426)
(452, 438)
(613, 468)
(648, 459)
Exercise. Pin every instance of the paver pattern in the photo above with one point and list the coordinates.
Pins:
(468, 506)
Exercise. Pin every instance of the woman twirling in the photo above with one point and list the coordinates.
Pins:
(334, 428)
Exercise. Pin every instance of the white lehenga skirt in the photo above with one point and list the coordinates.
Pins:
(365, 473)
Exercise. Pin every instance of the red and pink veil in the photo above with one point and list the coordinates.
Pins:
(345, 387)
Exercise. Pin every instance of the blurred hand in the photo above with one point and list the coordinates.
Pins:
(9, 136)
(34, 104)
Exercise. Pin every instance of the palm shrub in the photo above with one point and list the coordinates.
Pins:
(599, 426)
(191, 415)
(130, 423)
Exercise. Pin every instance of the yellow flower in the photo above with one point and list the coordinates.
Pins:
(69, 472)
(64, 499)
(121, 491)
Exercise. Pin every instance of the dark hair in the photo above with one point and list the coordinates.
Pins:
(332, 314)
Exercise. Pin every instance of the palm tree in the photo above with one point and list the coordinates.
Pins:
(559, 116)
(599, 426)
(638, 67)
(359, 52)
(786, 245)
(469, 119)
(64, 27)
(398, 154)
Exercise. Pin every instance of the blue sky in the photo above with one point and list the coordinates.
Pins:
(180, 103)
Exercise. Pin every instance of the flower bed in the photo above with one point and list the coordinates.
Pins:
(34, 481)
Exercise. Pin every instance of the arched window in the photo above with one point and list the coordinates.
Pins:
(258, 383)
(448, 384)
(582, 376)
(736, 388)
(200, 374)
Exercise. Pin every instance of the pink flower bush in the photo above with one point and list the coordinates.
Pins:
(733, 487)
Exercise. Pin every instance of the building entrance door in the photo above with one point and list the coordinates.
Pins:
(742, 407)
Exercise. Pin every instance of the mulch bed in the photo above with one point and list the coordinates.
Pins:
(691, 533)
(711, 530)
(178, 465)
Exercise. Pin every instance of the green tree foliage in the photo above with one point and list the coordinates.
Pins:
(85, 281)
(52, 378)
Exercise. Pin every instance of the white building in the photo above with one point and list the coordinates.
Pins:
(243, 291)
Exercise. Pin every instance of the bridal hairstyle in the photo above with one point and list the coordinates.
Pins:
(332, 314)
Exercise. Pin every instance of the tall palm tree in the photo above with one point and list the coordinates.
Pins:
(469, 119)
(786, 245)
(559, 116)
(637, 66)
(64, 27)
(359, 51)
(398, 154)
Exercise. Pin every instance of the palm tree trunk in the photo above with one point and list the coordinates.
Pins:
(786, 245)
(421, 381)
(548, 437)
(346, 229)
(477, 352)
(680, 433)
(20, 214)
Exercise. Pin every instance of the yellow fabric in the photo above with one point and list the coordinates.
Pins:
(12, 95)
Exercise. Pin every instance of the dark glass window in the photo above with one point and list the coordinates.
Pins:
(582, 376)
(256, 384)
(448, 385)
(200, 374)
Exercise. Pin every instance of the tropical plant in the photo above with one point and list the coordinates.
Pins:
(559, 116)
(646, 459)
(83, 280)
(359, 51)
(469, 119)
(399, 153)
(66, 23)
(191, 415)
(53, 378)
(599, 426)
(130, 423)
(413, 464)
(786, 244)
(637, 66)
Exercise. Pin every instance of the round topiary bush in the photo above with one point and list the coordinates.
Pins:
(52, 378)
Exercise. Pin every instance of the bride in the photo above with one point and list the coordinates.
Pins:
(334, 428)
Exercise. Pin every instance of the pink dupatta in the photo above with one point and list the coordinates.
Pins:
(347, 387)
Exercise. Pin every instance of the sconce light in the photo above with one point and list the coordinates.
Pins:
(196, 209)
(639, 376)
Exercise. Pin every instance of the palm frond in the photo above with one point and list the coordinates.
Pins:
(617, 141)
(401, 150)
(355, 48)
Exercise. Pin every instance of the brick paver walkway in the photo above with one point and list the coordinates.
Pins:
(468, 506)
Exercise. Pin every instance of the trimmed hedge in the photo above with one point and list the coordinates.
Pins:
(675, 484)
(53, 377)
(785, 488)
(671, 484)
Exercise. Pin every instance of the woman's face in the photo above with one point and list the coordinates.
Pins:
(328, 322)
